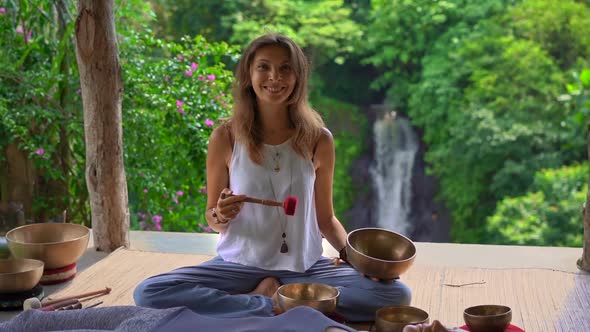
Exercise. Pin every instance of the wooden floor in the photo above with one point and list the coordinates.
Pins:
(541, 285)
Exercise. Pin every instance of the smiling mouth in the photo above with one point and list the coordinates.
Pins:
(274, 90)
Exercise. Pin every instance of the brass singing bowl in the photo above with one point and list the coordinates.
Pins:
(394, 318)
(57, 245)
(380, 253)
(19, 275)
(318, 296)
(488, 318)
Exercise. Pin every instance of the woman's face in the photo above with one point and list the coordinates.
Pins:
(272, 75)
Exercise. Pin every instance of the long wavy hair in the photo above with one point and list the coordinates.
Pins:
(245, 121)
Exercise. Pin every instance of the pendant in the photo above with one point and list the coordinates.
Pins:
(284, 247)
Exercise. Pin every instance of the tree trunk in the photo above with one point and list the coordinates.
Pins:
(102, 88)
(17, 182)
(584, 262)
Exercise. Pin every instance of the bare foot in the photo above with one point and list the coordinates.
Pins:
(435, 326)
(267, 287)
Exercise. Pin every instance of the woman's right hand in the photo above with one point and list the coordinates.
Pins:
(228, 206)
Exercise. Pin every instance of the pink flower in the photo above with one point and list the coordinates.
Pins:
(40, 152)
(145, 191)
(194, 66)
(158, 227)
(179, 193)
(179, 103)
(79, 91)
(181, 111)
(180, 57)
(157, 219)
(2, 10)
(201, 78)
(209, 123)
(28, 33)
(203, 190)
(211, 77)
(142, 224)
(188, 73)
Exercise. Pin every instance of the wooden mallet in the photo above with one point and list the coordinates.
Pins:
(47, 302)
(289, 205)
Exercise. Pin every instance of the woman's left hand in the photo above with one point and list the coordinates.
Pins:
(342, 259)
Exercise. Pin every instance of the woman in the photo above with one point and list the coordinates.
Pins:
(273, 146)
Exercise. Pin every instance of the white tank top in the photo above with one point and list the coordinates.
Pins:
(254, 237)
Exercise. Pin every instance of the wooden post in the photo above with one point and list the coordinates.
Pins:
(100, 78)
(584, 262)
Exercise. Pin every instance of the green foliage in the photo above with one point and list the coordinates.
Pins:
(175, 95)
(349, 128)
(38, 105)
(402, 32)
(550, 213)
(323, 27)
(168, 114)
(487, 102)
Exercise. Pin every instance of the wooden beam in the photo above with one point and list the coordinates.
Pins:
(584, 262)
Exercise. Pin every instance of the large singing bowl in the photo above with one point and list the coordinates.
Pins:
(19, 275)
(57, 245)
(321, 297)
(380, 253)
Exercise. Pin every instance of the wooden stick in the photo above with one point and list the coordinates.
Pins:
(79, 296)
(266, 202)
(56, 305)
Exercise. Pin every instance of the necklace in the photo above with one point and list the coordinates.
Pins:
(276, 157)
(284, 246)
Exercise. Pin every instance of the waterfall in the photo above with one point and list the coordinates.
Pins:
(396, 145)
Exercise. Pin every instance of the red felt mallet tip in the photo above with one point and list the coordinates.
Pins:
(290, 205)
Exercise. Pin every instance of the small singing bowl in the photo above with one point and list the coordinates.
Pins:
(318, 296)
(380, 253)
(19, 275)
(488, 318)
(394, 318)
(57, 245)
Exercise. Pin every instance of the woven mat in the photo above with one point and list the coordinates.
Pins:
(541, 299)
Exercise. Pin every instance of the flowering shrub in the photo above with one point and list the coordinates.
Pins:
(175, 93)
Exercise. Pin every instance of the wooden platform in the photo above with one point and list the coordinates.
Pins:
(542, 299)
(542, 284)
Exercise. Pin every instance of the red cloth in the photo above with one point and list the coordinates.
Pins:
(510, 328)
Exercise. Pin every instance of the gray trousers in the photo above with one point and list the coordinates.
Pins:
(138, 319)
(216, 288)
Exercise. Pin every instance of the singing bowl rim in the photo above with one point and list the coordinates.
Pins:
(24, 260)
(505, 313)
(285, 286)
(14, 282)
(356, 251)
(326, 305)
(15, 230)
(382, 311)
